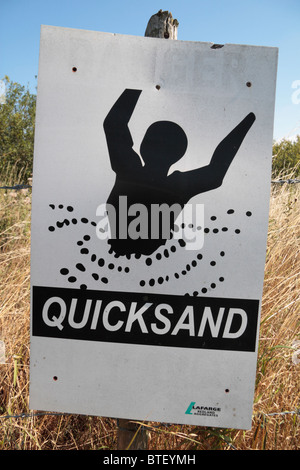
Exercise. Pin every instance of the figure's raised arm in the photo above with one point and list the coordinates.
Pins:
(119, 141)
(211, 176)
(228, 148)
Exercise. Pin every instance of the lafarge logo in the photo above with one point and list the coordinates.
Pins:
(194, 409)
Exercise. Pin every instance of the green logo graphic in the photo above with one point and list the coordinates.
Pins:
(188, 411)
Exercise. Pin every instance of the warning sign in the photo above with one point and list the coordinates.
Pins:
(149, 222)
(154, 319)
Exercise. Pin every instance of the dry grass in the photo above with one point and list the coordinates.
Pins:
(277, 382)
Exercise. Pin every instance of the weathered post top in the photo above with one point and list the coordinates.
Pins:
(162, 25)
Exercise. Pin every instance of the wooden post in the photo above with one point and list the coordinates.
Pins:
(162, 25)
(132, 436)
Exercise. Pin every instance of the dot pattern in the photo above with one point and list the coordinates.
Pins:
(100, 263)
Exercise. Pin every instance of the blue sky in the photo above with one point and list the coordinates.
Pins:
(254, 22)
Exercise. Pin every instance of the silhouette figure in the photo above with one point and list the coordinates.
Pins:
(164, 144)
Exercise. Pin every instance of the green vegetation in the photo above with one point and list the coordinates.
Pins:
(17, 120)
(286, 158)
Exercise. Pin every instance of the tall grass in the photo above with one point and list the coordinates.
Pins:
(275, 423)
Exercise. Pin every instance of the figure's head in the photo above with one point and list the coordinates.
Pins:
(164, 143)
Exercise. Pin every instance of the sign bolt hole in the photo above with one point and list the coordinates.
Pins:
(74, 69)
(226, 390)
(157, 87)
(249, 84)
(55, 378)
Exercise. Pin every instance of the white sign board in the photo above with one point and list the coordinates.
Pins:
(149, 223)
